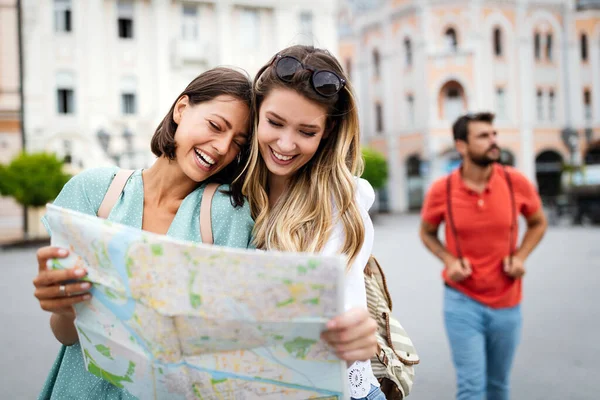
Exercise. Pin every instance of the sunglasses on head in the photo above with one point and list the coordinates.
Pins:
(324, 82)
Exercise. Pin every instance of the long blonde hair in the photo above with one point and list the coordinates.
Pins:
(323, 190)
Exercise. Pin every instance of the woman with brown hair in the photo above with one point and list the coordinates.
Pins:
(203, 138)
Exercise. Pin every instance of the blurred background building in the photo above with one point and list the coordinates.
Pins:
(417, 65)
(101, 74)
(10, 107)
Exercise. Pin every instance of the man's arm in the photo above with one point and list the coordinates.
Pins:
(536, 227)
(429, 236)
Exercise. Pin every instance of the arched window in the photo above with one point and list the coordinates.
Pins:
(548, 170)
(376, 63)
(408, 52)
(537, 43)
(498, 42)
(452, 101)
(584, 47)
(451, 40)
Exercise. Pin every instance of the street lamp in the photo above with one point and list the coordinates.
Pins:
(104, 139)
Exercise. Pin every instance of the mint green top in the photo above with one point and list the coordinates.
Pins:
(231, 227)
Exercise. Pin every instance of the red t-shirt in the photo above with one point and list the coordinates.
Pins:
(483, 224)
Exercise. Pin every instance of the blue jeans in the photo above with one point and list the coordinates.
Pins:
(374, 394)
(483, 342)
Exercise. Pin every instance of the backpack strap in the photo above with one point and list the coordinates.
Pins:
(205, 217)
(114, 191)
(374, 270)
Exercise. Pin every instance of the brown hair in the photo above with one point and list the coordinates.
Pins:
(460, 128)
(206, 87)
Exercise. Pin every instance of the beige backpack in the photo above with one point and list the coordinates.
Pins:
(393, 365)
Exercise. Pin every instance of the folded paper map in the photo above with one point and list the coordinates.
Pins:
(170, 319)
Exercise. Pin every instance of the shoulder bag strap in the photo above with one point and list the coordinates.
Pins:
(513, 218)
(451, 218)
(377, 271)
(114, 191)
(205, 217)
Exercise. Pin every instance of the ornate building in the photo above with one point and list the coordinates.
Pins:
(418, 64)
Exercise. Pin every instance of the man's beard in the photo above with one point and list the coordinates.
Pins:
(483, 160)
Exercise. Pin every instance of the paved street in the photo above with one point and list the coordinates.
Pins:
(558, 357)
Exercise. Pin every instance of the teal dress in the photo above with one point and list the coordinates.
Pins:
(232, 227)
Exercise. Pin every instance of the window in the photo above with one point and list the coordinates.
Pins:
(65, 93)
(249, 27)
(498, 42)
(584, 47)
(454, 104)
(549, 47)
(540, 105)
(128, 96)
(537, 40)
(410, 105)
(62, 16)
(408, 52)
(125, 19)
(551, 105)
(65, 101)
(376, 63)
(501, 103)
(379, 118)
(306, 27)
(128, 103)
(587, 104)
(451, 41)
(189, 27)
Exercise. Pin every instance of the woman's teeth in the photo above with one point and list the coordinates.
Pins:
(281, 156)
(204, 158)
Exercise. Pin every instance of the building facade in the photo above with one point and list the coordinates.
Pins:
(101, 74)
(418, 64)
(11, 217)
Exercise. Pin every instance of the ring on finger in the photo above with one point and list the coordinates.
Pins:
(62, 289)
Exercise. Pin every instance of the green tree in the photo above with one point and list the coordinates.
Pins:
(376, 170)
(33, 179)
(3, 187)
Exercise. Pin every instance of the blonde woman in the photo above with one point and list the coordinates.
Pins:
(301, 182)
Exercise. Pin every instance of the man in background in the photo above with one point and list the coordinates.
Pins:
(483, 266)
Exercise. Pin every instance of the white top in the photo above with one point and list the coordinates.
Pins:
(360, 375)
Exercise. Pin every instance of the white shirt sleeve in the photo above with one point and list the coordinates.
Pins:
(354, 292)
(360, 375)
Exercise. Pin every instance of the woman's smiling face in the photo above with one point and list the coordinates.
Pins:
(209, 135)
(290, 129)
